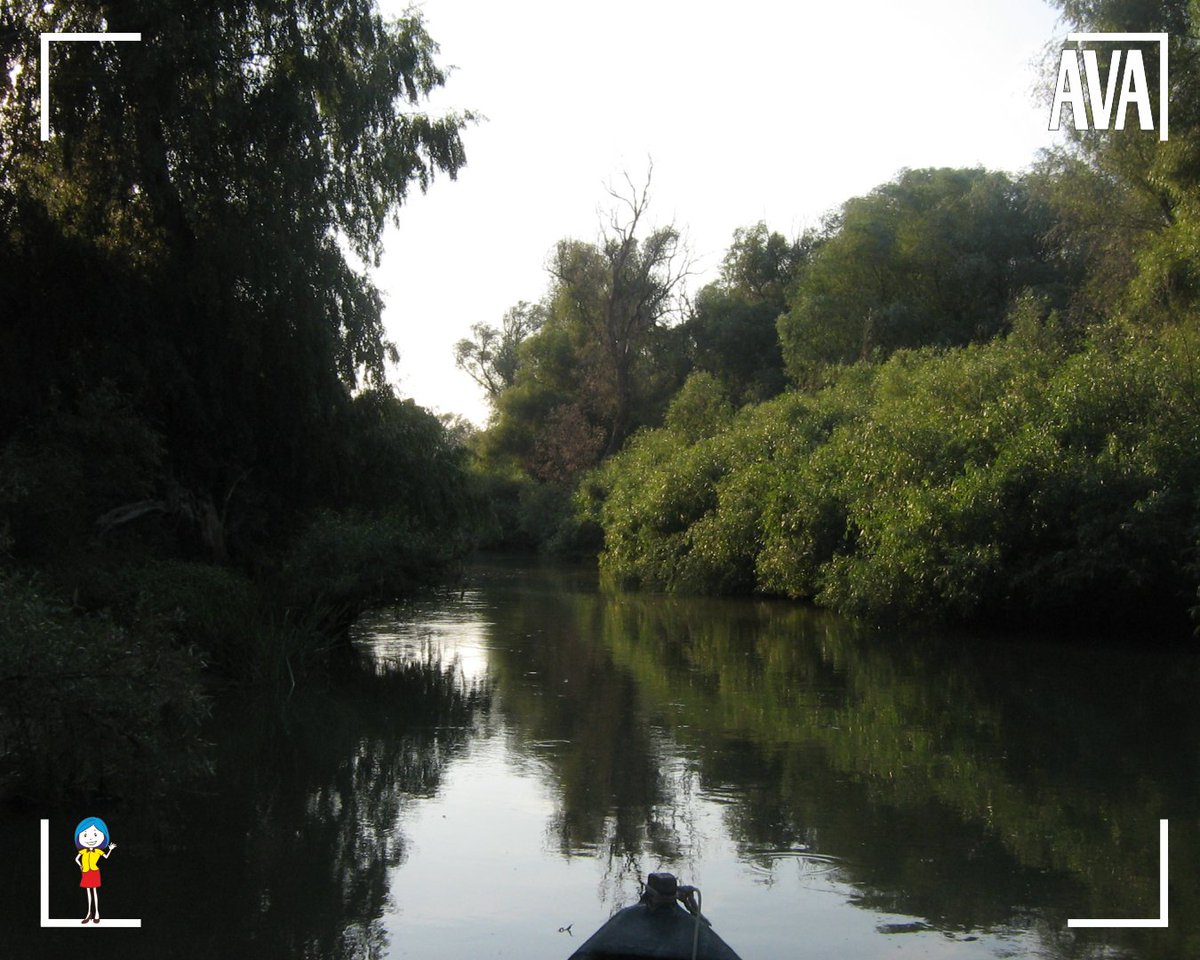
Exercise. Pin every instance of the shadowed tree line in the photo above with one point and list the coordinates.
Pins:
(294, 840)
(201, 461)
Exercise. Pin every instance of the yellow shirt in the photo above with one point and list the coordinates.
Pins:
(91, 859)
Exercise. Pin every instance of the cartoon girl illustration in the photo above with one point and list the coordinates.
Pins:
(90, 836)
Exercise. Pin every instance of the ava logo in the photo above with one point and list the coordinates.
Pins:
(1111, 105)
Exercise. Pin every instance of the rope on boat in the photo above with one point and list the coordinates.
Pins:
(663, 889)
(689, 904)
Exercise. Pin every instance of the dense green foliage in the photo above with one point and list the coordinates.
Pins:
(994, 414)
(1131, 200)
(88, 705)
(934, 257)
(731, 331)
(1014, 480)
(198, 447)
(202, 193)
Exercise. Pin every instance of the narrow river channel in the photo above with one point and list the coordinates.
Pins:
(499, 766)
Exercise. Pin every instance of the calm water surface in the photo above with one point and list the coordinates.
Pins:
(494, 771)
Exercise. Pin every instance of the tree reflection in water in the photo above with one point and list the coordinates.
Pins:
(311, 793)
(978, 784)
(575, 710)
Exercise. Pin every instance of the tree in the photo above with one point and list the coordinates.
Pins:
(620, 291)
(571, 379)
(1128, 199)
(732, 327)
(207, 190)
(491, 357)
(934, 257)
(762, 265)
(1099, 221)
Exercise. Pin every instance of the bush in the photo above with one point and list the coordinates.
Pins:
(1012, 481)
(343, 562)
(79, 461)
(89, 706)
(215, 611)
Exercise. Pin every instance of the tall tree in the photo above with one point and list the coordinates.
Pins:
(732, 326)
(597, 359)
(1127, 198)
(620, 291)
(205, 196)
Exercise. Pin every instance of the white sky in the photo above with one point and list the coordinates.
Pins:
(755, 110)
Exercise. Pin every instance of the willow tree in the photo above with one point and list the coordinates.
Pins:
(196, 233)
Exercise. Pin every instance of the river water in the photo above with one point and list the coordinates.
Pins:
(496, 768)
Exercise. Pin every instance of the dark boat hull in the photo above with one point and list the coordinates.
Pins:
(663, 932)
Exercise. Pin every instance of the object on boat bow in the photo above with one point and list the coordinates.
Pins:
(666, 923)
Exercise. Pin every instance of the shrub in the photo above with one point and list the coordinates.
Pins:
(89, 706)
(1013, 480)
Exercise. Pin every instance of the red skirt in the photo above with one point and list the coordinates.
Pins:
(90, 878)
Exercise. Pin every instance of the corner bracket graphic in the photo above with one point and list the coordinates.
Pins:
(1161, 920)
(45, 64)
(47, 920)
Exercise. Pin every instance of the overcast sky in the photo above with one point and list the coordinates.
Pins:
(754, 110)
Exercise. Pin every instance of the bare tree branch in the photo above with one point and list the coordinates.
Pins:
(624, 287)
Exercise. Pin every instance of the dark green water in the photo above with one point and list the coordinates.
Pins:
(495, 767)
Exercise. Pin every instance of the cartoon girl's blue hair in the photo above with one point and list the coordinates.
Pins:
(92, 822)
